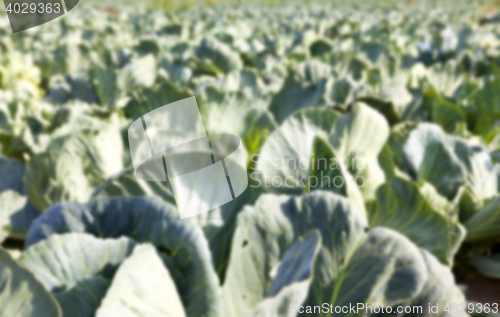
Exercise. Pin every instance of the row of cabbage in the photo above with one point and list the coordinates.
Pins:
(403, 100)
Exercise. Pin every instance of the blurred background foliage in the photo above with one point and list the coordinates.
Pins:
(411, 86)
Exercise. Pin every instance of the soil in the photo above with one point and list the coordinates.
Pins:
(482, 290)
(13, 244)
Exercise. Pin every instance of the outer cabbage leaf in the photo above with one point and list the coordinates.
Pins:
(439, 288)
(145, 219)
(430, 152)
(294, 276)
(75, 267)
(21, 294)
(265, 231)
(125, 183)
(148, 99)
(219, 54)
(304, 88)
(11, 174)
(386, 268)
(484, 224)
(140, 73)
(237, 114)
(21, 212)
(10, 204)
(297, 155)
(142, 286)
(53, 177)
(401, 206)
(358, 140)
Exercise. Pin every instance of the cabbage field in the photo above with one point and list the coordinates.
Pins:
(371, 132)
